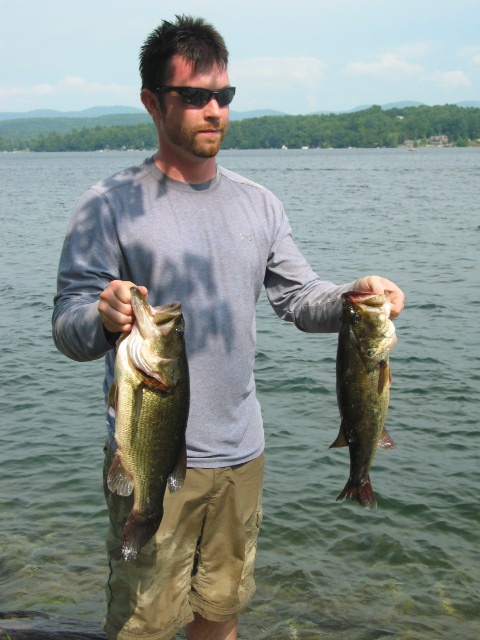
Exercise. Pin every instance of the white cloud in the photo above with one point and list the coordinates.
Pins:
(451, 79)
(413, 49)
(293, 82)
(278, 73)
(468, 52)
(26, 92)
(80, 84)
(472, 53)
(390, 64)
(74, 87)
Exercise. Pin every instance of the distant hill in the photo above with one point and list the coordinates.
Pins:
(385, 107)
(93, 112)
(393, 105)
(25, 128)
(366, 128)
(470, 103)
(17, 127)
(22, 126)
(398, 105)
(259, 113)
(97, 112)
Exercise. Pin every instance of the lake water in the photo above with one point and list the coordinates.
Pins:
(408, 570)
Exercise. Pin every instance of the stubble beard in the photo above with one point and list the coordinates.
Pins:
(187, 139)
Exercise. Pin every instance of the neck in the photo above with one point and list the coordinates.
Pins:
(191, 171)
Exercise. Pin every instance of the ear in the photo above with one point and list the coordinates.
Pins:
(150, 102)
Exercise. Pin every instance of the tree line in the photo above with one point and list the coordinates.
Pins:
(372, 127)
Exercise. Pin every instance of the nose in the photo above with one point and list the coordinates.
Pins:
(212, 109)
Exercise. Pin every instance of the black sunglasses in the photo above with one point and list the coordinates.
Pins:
(196, 97)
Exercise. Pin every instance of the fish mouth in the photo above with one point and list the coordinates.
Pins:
(367, 298)
(167, 318)
(153, 368)
(161, 314)
(368, 302)
(166, 313)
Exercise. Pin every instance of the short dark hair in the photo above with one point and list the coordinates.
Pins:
(192, 38)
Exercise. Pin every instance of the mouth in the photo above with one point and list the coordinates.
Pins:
(212, 130)
(210, 133)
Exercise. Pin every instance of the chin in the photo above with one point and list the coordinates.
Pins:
(207, 151)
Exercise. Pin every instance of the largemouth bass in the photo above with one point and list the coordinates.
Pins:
(150, 395)
(363, 387)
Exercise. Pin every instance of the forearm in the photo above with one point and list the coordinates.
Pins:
(78, 331)
(321, 312)
(88, 263)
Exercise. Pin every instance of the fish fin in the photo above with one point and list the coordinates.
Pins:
(385, 377)
(385, 441)
(136, 533)
(341, 440)
(177, 477)
(118, 480)
(112, 396)
(361, 493)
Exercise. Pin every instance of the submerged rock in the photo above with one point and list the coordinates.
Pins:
(36, 625)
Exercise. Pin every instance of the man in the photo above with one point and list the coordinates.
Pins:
(183, 228)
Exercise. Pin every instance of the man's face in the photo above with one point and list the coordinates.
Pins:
(189, 130)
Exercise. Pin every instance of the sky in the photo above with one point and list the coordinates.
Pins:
(292, 56)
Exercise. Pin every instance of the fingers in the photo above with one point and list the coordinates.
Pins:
(115, 306)
(377, 285)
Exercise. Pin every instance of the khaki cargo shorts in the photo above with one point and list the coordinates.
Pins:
(201, 559)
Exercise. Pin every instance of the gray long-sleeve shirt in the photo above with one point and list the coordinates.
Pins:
(210, 246)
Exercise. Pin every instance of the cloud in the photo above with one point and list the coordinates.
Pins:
(469, 52)
(472, 54)
(451, 79)
(76, 86)
(390, 64)
(24, 92)
(293, 82)
(278, 73)
(413, 49)
(397, 62)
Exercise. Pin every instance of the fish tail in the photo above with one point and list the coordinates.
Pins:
(136, 533)
(361, 493)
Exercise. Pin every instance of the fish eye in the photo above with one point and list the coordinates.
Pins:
(180, 331)
(355, 317)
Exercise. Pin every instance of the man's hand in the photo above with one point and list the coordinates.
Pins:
(377, 284)
(115, 306)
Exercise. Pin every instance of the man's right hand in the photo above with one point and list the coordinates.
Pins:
(115, 306)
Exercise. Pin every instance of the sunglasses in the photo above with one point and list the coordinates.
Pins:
(196, 97)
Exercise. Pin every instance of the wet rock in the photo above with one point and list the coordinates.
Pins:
(36, 625)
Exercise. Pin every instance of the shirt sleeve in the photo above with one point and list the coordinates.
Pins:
(296, 292)
(89, 261)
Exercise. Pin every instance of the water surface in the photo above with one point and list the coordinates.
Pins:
(325, 569)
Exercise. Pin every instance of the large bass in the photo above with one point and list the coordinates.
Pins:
(150, 395)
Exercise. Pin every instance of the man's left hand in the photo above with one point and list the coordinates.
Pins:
(377, 284)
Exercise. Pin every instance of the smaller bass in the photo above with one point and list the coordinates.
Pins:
(363, 387)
